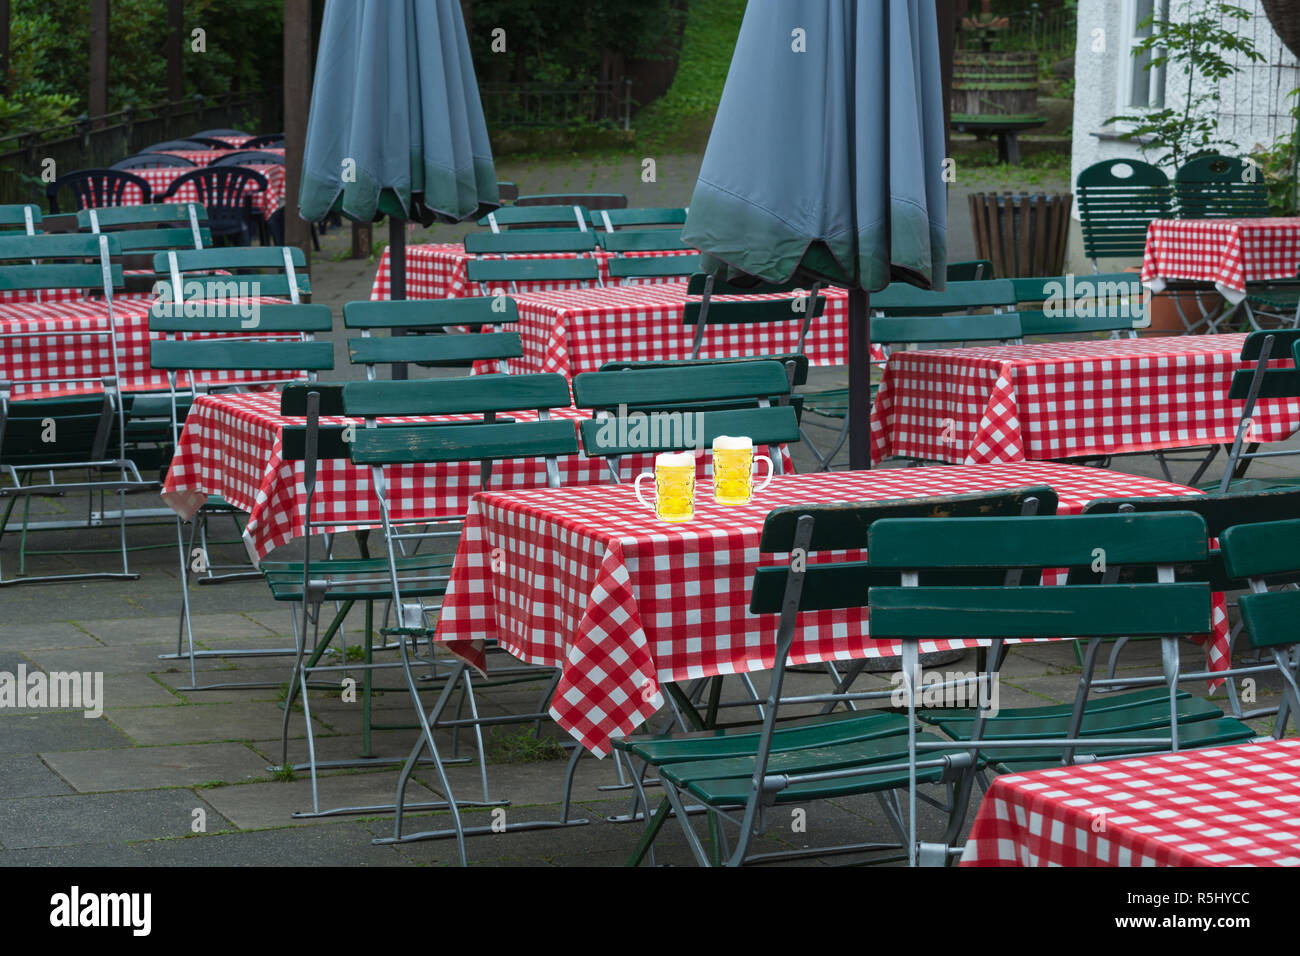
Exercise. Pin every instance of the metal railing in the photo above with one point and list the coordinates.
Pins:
(94, 142)
(532, 105)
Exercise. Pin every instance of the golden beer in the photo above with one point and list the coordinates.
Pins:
(674, 478)
(733, 470)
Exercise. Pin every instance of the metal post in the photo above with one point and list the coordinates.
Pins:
(859, 378)
(397, 275)
(297, 106)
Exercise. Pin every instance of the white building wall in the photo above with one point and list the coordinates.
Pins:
(1253, 108)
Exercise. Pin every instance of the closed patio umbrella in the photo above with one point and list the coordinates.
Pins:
(826, 160)
(396, 125)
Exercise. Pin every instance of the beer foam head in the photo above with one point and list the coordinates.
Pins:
(731, 442)
(674, 459)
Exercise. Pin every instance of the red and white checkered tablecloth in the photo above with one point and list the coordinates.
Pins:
(8, 296)
(160, 179)
(1227, 806)
(1227, 252)
(202, 157)
(232, 446)
(578, 330)
(590, 581)
(1052, 400)
(437, 271)
(53, 342)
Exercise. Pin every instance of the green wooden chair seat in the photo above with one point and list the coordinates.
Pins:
(358, 579)
(1137, 698)
(1145, 716)
(845, 727)
(727, 782)
(1201, 733)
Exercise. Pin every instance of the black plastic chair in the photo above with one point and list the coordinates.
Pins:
(267, 139)
(98, 187)
(151, 161)
(188, 144)
(223, 190)
(249, 157)
(217, 133)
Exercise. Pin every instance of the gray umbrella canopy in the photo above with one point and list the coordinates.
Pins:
(396, 125)
(826, 156)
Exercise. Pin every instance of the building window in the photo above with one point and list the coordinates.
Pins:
(1145, 88)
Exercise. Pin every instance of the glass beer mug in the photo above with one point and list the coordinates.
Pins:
(674, 478)
(733, 470)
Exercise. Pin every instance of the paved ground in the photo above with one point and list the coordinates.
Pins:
(173, 776)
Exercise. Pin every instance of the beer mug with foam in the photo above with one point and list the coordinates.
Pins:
(733, 470)
(674, 478)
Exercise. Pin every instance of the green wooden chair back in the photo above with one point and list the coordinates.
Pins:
(727, 398)
(417, 444)
(23, 215)
(475, 394)
(971, 270)
(262, 267)
(531, 270)
(1260, 552)
(241, 354)
(1038, 322)
(699, 283)
(106, 218)
(473, 312)
(900, 329)
(1108, 610)
(749, 312)
(1220, 512)
(562, 217)
(844, 526)
(795, 364)
(1273, 383)
(47, 274)
(435, 351)
(1216, 187)
(901, 298)
(642, 240)
(293, 398)
(611, 219)
(514, 243)
(1117, 199)
(647, 267)
(1111, 300)
(142, 241)
(1283, 344)
(233, 257)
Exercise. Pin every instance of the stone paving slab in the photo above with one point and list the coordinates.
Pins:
(25, 775)
(202, 722)
(139, 768)
(57, 730)
(346, 845)
(258, 805)
(39, 634)
(90, 818)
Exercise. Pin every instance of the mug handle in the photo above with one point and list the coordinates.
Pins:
(770, 472)
(636, 487)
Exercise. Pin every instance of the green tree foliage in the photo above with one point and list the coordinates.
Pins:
(565, 42)
(50, 59)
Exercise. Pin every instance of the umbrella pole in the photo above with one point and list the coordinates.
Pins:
(859, 378)
(397, 275)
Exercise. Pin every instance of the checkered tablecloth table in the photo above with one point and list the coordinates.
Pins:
(1227, 252)
(1228, 806)
(202, 157)
(8, 296)
(49, 341)
(590, 581)
(578, 330)
(437, 271)
(1052, 400)
(160, 179)
(232, 446)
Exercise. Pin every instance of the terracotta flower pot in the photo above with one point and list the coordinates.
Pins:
(1164, 307)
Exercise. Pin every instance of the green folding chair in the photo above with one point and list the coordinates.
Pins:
(282, 347)
(1260, 553)
(653, 267)
(70, 432)
(427, 328)
(1220, 511)
(491, 273)
(1117, 199)
(486, 442)
(970, 271)
(642, 240)
(571, 216)
(1111, 301)
(533, 241)
(1220, 187)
